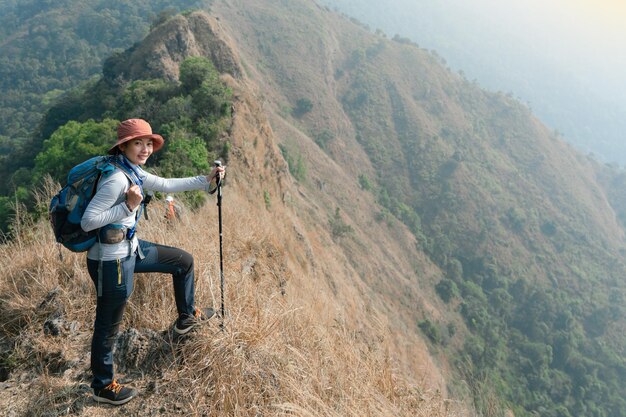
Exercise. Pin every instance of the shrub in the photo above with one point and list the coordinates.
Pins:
(296, 164)
(447, 290)
(338, 226)
(194, 71)
(365, 182)
(323, 138)
(266, 198)
(303, 106)
(430, 330)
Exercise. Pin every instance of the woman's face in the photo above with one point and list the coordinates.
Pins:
(137, 150)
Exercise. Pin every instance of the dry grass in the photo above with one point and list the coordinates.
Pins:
(284, 349)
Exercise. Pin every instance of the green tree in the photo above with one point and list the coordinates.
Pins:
(303, 106)
(6, 213)
(431, 331)
(447, 290)
(365, 182)
(145, 98)
(73, 143)
(184, 155)
(194, 71)
(212, 99)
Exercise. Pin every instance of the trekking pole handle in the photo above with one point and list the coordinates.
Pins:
(218, 180)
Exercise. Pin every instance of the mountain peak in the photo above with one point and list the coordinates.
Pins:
(160, 54)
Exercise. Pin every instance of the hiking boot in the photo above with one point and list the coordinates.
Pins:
(184, 324)
(114, 393)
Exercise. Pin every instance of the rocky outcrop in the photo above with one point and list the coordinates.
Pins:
(160, 54)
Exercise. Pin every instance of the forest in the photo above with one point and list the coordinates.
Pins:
(47, 50)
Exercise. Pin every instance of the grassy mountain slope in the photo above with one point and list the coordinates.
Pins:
(529, 243)
(287, 349)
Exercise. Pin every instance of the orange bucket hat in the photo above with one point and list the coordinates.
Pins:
(136, 129)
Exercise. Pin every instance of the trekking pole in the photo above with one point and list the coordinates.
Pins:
(145, 203)
(219, 211)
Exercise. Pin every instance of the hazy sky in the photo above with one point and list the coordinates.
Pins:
(587, 36)
(565, 58)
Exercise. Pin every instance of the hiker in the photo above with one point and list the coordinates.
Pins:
(118, 253)
(172, 210)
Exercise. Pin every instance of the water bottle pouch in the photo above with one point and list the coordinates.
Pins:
(113, 233)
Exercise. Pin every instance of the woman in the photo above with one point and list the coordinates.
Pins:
(111, 262)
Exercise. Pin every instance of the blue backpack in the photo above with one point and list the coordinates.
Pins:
(68, 205)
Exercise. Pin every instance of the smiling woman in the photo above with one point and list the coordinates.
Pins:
(118, 254)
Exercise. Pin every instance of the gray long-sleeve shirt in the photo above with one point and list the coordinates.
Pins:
(108, 207)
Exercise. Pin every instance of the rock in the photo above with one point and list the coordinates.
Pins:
(138, 349)
(58, 326)
(160, 54)
(248, 266)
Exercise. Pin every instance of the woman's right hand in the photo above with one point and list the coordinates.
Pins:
(133, 197)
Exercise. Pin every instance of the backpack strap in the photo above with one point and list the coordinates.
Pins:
(134, 177)
(99, 290)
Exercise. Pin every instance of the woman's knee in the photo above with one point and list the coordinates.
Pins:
(186, 261)
(182, 260)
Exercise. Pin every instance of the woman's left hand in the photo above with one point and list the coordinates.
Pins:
(215, 172)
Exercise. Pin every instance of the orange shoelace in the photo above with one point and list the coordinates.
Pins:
(114, 386)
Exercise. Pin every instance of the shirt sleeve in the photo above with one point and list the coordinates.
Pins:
(108, 205)
(174, 185)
